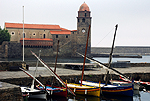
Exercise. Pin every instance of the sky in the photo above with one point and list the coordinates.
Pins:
(132, 17)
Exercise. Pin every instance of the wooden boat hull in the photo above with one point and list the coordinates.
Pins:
(33, 93)
(122, 83)
(55, 91)
(120, 90)
(85, 90)
(112, 89)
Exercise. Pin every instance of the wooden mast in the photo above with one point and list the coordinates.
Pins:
(85, 55)
(110, 56)
(53, 80)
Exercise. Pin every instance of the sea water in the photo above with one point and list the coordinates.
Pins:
(138, 96)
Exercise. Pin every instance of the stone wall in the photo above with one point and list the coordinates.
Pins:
(45, 51)
(6, 65)
(9, 92)
(11, 49)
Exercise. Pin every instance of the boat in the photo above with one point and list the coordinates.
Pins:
(32, 92)
(83, 89)
(54, 74)
(55, 91)
(110, 89)
(142, 83)
(124, 83)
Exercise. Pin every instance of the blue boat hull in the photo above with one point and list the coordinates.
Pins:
(119, 90)
(112, 89)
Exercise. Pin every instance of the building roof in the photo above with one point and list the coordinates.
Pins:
(39, 39)
(60, 32)
(32, 26)
(84, 7)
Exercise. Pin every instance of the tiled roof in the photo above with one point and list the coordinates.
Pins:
(63, 29)
(60, 32)
(73, 30)
(32, 26)
(44, 39)
(84, 7)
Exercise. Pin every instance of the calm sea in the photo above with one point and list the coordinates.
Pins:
(144, 59)
(138, 96)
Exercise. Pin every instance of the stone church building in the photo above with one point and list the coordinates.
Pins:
(45, 37)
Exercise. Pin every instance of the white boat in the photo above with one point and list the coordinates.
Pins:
(33, 93)
(123, 83)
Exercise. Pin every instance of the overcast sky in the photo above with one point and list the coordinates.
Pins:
(132, 16)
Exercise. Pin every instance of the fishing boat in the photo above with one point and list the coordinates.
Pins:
(32, 92)
(124, 83)
(111, 89)
(83, 89)
(142, 83)
(54, 74)
(55, 91)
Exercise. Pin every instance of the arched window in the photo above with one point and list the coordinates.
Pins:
(24, 34)
(44, 36)
(78, 20)
(83, 20)
(85, 14)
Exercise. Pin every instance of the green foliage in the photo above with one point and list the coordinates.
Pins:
(4, 35)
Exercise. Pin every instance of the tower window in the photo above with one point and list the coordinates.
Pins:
(78, 20)
(56, 36)
(85, 14)
(66, 36)
(83, 20)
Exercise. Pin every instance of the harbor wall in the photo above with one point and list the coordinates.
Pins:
(9, 92)
(26, 81)
(11, 65)
(122, 50)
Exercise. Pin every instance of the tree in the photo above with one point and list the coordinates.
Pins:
(4, 35)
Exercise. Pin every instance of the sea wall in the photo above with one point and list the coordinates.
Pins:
(129, 50)
(26, 81)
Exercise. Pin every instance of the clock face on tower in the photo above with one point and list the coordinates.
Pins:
(83, 30)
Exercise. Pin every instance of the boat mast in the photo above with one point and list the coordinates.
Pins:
(55, 64)
(32, 86)
(85, 55)
(110, 56)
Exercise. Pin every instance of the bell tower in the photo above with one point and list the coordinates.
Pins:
(83, 22)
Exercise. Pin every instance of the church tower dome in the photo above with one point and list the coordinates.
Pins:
(84, 7)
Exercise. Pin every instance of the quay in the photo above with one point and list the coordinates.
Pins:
(13, 79)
